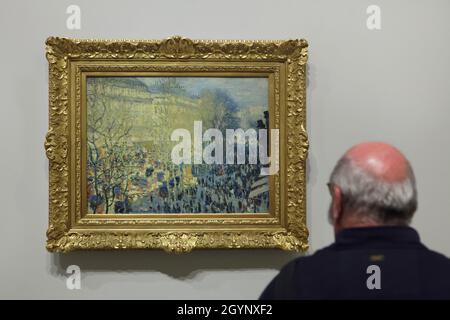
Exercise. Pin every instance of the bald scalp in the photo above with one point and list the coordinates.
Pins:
(380, 160)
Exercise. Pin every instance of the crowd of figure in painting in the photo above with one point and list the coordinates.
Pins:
(169, 188)
(203, 188)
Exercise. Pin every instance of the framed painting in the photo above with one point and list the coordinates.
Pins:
(176, 144)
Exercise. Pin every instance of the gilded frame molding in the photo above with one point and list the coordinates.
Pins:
(70, 60)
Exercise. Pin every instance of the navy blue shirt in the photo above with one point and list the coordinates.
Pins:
(407, 269)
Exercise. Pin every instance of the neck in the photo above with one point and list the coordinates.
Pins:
(356, 221)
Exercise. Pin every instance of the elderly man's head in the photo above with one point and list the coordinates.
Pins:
(372, 184)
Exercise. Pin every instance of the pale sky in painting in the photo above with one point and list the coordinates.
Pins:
(245, 91)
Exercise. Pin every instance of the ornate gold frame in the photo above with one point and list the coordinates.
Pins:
(70, 60)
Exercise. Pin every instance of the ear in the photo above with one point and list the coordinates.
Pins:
(336, 206)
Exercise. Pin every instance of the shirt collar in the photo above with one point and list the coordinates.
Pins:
(384, 233)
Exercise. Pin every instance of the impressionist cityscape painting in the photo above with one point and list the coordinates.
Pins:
(129, 125)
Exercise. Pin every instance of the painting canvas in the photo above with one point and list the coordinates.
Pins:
(130, 121)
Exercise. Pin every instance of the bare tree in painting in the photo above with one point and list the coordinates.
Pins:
(111, 155)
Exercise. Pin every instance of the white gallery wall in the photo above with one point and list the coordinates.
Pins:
(390, 84)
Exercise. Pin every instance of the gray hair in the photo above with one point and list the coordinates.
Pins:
(364, 194)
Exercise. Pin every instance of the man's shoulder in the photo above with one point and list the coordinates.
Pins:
(319, 257)
(301, 275)
(436, 261)
(436, 255)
